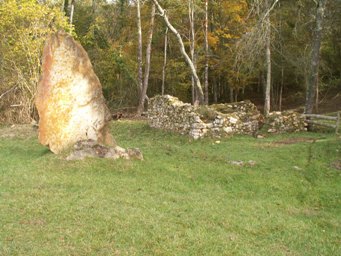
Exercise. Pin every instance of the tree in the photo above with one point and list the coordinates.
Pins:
(191, 18)
(206, 52)
(164, 63)
(147, 66)
(268, 59)
(140, 52)
(255, 42)
(163, 14)
(72, 9)
(315, 58)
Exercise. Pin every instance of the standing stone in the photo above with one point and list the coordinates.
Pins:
(69, 99)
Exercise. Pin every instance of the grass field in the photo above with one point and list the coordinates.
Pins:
(186, 197)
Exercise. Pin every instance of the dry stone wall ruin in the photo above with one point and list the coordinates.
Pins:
(219, 120)
(286, 121)
(169, 113)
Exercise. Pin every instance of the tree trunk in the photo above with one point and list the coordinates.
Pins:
(164, 63)
(231, 95)
(281, 90)
(183, 51)
(206, 52)
(315, 58)
(140, 53)
(268, 63)
(143, 95)
(72, 11)
(317, 95)
(215, 90)
(192, 46)
(65, 6)
(94, 6)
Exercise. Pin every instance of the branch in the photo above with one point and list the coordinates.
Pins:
(162, 13)
(270, 9)
(8, 91)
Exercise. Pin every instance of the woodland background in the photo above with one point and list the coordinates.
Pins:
(227, 40)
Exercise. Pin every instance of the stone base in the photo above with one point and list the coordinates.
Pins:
(91, 148)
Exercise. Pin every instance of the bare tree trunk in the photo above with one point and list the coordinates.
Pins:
(72, 11)
(140, 53)
(315, 58)
(215, 90)
(281, 90)
(268, 63)
(94, 6)
(231, 95)
(65, 6)
(192, 45)
(183, 51)
(206, 52)
(317, 99)
(147, 67)
(164, 63)
(273, 96)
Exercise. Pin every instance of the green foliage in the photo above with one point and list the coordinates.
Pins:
(104, 32)
(107, 30)
(24, 26)
(206, 113)
(185, 198)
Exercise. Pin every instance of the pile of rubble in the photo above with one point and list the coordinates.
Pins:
(219, 120)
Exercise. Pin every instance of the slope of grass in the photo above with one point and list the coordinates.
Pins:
(185, 198)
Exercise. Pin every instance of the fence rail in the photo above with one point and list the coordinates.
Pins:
(316, 119)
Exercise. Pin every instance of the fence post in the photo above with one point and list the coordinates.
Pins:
(338, 122)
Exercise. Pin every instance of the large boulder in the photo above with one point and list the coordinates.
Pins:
(69, 99)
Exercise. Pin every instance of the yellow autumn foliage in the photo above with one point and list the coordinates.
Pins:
(24, 26)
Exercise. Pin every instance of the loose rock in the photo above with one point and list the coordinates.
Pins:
(90, 148)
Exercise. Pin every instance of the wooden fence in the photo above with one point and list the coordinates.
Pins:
(332, 121)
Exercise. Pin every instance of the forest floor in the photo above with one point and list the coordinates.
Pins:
(329, 102)
(280, 195)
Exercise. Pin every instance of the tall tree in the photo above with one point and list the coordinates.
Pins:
(72, 10)
(147, 65)
(315, 57)
(164, 62)
(206, 52)
(255, 42)
(188, 60)
(268, 59)
(192, 38)
(140, 51)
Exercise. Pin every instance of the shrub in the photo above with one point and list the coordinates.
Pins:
(24, 26)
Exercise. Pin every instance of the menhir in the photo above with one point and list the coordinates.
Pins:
(69, 100)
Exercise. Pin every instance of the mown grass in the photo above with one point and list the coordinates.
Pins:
(185, 198)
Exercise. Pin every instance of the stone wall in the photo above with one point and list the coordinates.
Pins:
(286, 121)
(168, 113)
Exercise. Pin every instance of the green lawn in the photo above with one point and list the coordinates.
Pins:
(185, 198)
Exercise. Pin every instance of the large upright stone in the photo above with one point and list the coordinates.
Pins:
(69, 99)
